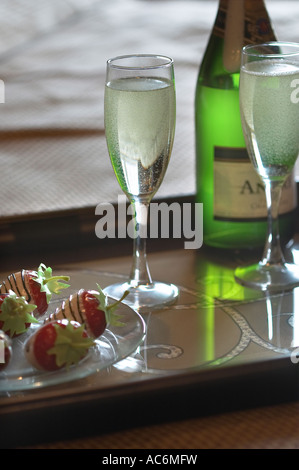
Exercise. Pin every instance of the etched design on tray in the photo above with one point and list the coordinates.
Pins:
(247, 336)
(170, 351)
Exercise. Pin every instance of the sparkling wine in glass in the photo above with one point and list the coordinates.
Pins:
(140, 111)
(270, 120)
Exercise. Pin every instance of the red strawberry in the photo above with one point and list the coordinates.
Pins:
(36, 286)
(15, 314)
(91, 308)
(57, 344)
(6, 352)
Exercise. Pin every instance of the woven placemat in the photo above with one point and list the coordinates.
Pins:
(53, 152)
(273, 427)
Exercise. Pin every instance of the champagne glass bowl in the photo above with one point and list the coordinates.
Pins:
(269, 91)
(140, 111)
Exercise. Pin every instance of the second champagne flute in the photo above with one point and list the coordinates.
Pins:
(140, 111)
(270, 118)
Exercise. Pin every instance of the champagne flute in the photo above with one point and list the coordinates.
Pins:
(140, 111)
(270, 120)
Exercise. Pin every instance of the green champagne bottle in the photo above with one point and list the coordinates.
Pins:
(233, 197)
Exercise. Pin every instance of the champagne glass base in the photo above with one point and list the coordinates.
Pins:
(273, 278)
(144, 298)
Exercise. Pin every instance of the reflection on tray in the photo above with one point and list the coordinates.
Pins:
(220, 323)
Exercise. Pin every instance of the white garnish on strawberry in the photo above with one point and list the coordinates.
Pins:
(37, 287)
(91, 308)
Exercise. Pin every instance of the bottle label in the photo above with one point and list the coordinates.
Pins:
(257, 26)
(239, 191)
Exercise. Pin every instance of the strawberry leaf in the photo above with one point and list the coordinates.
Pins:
(109, 309)
(70, 346)
(50, 284)
(15, 314)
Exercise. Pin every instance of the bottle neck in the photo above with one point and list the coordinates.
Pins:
(233, 35)
(252, 14)
(237, 23)
(250, 5)
(241, 22)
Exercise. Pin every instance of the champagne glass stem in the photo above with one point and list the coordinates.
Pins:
(140, 274)
(272, 251)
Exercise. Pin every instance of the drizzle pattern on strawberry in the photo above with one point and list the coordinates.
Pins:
(18, 284)
(35, 286)
(91, 308)
(73, 309)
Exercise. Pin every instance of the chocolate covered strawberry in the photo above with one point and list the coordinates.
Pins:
(37, 287)
(5, 350)
(57, 344)
(91, 308)
(15, 314)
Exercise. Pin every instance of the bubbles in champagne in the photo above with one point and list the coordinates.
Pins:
(139, 123)
(270, 118)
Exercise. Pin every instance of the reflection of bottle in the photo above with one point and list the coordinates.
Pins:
(217, 290)
(218, 281)
(271, 322)
(234, 206)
